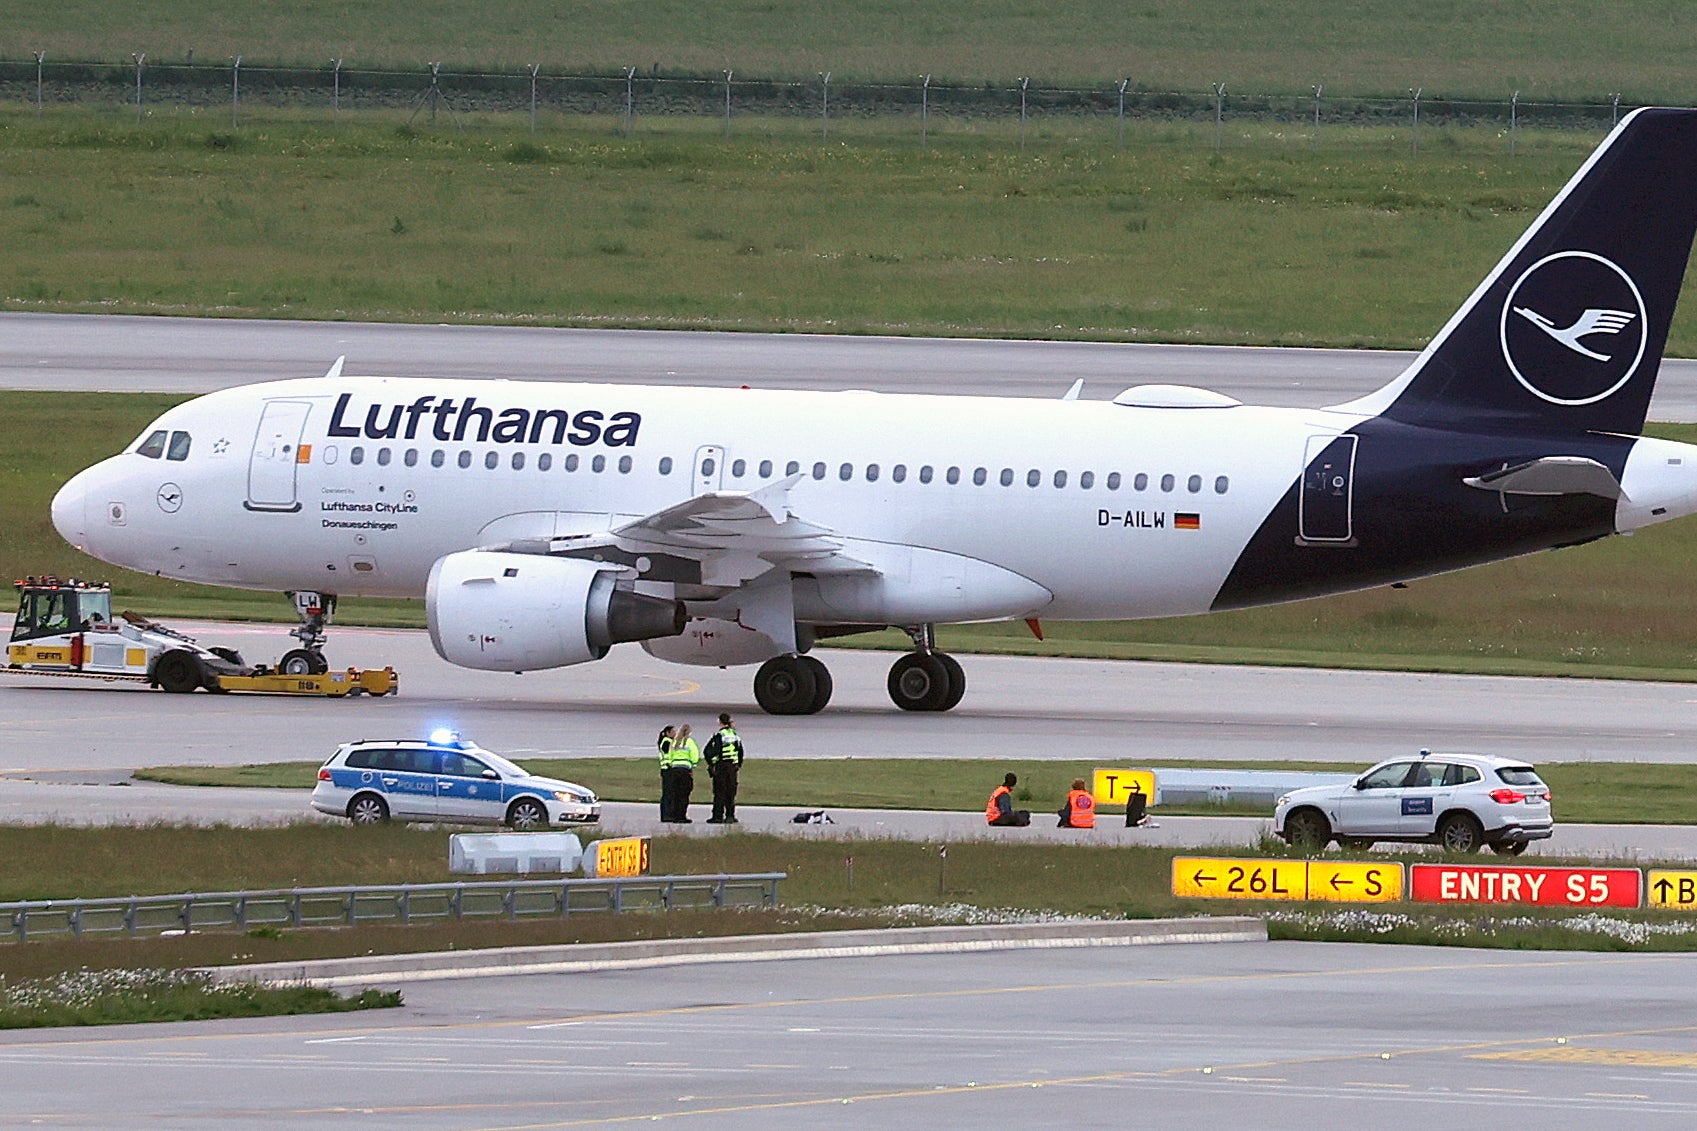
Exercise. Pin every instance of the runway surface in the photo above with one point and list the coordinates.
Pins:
(1265, 1035)
(1110, 712)
(197, 355)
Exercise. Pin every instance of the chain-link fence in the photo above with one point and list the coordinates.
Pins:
(927, 109)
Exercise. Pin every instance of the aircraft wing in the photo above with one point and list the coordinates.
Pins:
(735, 536)
(1551, 475)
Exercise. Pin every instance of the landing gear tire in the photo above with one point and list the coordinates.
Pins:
(178, 672)
(957, 681)
(821, 684)
(791, 685)
(300, 661)
(926, 681)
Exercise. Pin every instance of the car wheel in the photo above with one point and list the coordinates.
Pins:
(527, 813)
(1460, 832)
(178, 672)
(1508, 847)
(1355, 843)
(368, 809)
(1307, 830)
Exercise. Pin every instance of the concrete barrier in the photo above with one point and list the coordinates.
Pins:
(382, 970)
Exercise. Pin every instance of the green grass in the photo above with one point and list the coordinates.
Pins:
(888, 883)
(132, 997)
(1277, 242)
(1558, 47)
(1584, 792)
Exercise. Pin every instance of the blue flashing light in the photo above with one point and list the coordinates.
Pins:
(442, 736)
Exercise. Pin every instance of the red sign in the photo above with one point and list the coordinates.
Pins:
(1544, 887)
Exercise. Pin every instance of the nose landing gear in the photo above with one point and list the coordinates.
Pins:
(314, 610)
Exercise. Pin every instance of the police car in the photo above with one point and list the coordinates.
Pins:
(1457, 801)
(444, 779)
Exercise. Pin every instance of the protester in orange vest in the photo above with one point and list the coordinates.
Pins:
(1080, 810)
(999, 809)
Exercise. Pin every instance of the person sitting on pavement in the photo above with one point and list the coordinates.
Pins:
(1079, 810)
(999, 809)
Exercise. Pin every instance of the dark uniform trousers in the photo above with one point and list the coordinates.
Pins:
(681, 781)
(725, 790)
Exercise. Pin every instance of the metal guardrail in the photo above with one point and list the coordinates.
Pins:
(382, 903)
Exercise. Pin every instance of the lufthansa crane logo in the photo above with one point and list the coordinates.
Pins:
(1574, 328)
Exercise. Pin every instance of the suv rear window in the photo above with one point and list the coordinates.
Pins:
(1519, 775)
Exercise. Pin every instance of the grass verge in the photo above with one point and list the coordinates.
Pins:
(831, 885)
(1584, 792)
(129, 997)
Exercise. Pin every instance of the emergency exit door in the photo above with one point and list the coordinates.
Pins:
(709, 468)
(1327, 500)
(276, 455)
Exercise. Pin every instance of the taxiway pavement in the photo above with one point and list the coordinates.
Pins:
(1265, 1035)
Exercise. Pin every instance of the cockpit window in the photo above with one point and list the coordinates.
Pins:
(179, 449)
(154, 446)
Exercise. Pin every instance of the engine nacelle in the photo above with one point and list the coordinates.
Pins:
(712, 642)
(521, 612)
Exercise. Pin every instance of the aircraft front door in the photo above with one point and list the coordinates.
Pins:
(1328, 490)
(709, 468)
(276, 455)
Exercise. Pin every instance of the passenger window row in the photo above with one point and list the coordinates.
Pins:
(766, 469)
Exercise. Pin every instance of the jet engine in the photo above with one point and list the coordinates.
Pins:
(520, 612)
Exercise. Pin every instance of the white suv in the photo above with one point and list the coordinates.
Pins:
(444, 780)
(1458, 801)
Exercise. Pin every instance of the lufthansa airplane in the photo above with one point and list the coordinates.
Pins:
(543, 523)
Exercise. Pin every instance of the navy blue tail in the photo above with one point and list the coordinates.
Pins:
(1566, 334)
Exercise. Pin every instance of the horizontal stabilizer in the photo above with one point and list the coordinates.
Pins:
(1552, 475)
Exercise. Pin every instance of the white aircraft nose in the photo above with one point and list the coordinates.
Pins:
(70, 511)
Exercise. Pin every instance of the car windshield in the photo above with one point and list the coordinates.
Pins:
(1385, 777)
(500, 765)
(1519, 775)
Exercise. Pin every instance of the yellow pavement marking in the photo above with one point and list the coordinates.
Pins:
(1617, 1058)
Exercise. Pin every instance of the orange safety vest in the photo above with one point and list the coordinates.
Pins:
(1081, 809)
(990, 810)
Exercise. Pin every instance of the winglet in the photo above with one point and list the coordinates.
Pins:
(1072, 393)
(336, 368)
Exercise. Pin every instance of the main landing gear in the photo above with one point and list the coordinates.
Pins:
(792, 685)
(926, 679)
(923, 680)
(314, 610)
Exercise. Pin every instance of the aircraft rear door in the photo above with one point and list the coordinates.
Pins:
(1328, 490)
(276, 455)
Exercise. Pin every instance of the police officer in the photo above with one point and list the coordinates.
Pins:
(665, 745)
(724, 759)
(683, 757)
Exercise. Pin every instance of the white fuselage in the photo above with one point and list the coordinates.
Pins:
(1100, 533)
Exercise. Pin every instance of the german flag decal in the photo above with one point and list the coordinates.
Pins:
(1187, 520)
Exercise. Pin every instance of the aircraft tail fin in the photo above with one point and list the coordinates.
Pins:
(1566, 333)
